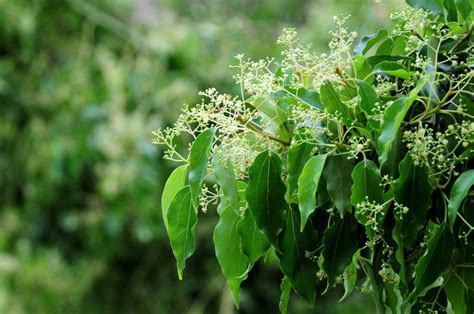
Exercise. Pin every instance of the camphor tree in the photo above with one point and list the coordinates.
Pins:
(355, 163)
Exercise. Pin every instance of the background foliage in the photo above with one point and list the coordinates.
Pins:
(82, 84)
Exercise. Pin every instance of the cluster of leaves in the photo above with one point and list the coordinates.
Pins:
(350, 166)
(342, 165)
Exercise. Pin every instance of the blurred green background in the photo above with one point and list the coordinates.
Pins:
(82, 85)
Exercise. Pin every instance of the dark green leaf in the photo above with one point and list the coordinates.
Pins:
(182, 219)
(434, 6)
(368, 97)
(413, 189)
(175, 182)
(337, 174)
(350, 277)
(266, 195)
(435, 261)
(340, 244)
(308, 185)
(456, 294)
(298, 155)
(458, 192)
(451, 10)
(333, 104)
(366, 186)
(198, 158)
(254, 243)
(393, 68)
(285, 294)
(227, 242)
(300, 270)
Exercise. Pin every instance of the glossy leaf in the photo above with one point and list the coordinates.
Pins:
(182, 219)
(435, 261)
(308, 185)
(266, 195)
(362, 69)
(464, 7)
(456, 294)
(366, 186)
(254, 243)
(332, 102)
(368, 97)
(300, 270)
(337, 174)
(393, 68)
(459, 191)
(393, 117)
(298, 155)
(413, 189)
(350, 277)
(435, 6)
(369, 41)
(198, 158)
(175, 182)
(227, 243)
(340, 244)
(285, 295)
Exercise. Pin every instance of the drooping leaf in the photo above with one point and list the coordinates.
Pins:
(227, 244)
(198, 158)
(175, 182)
(340, 244)
(337, 174)
(435, 261)
(333, 104)
(266, 195)
(308, 185)
(393, 68)
(285, 294)
(182, 219)
(300, 270)
(413, 190)
(394, 298)
(350, 277)
(254, 243)
(224, 173)
(366, 186)
(298, 155)
(459, 191)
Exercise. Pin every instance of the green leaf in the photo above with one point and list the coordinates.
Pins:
(393, 68)
(300, 270)
(412, 189)
(333, 104)
(198, 158)
(337, 174)
(285, 294)
(459, 191)
(451, 10)
(266, 195)
(298, 155)
(393, 118)
(270, 109)
(254, 243)
(369, 41)
(175, 182)
(182, 219)
(227, 242)
(363, 70)
(464, 8)
(225, 178)
(368, 98)
(434, 6)
(366, 186)
(394, 298)
(456, 294)
(385, 47)
(435, 261)
(350, 277)
(340, 244)
(308, 185)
